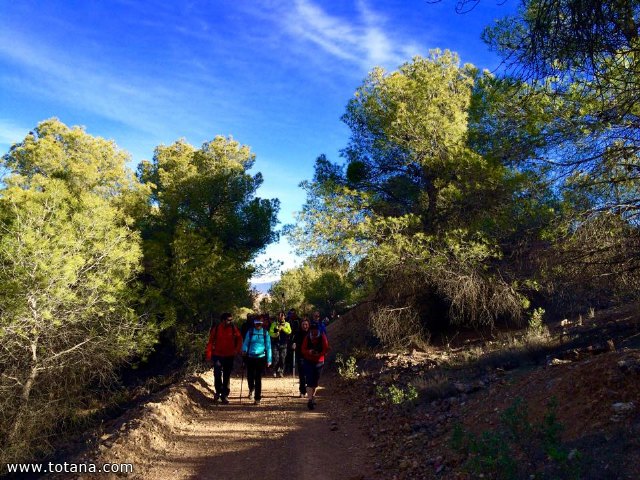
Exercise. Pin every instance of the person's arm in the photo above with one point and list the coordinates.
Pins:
(272, 330)
(209, 350)
(325, 345)
(287, 328)
(268, 349)
(238, 339)
(245, 344)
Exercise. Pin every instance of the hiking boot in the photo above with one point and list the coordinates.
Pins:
(216, 398)
(257, 402)
(302, 394)
(275, 374)
(280, 375)
(225, 401)
(250, 394)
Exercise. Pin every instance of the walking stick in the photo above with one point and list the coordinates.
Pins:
(294, 368)
(241, 381)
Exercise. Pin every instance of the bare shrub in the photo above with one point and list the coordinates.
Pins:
(477, 299)
(396, 327)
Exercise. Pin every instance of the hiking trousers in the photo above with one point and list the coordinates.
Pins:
(312, 372)
(222, 367)
(255, 369)
(301, 376)
(279, 353)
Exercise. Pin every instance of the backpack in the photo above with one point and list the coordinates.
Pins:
(264, 334)
(236, 334)
(315, 346)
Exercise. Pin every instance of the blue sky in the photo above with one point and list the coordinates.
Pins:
(276, 75)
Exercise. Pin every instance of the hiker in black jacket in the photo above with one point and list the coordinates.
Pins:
(297, 349)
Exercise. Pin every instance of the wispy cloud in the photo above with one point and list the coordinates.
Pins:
(11, 133)
(130, 96)
(364, 40)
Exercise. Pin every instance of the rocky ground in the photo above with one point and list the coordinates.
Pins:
(569, 409)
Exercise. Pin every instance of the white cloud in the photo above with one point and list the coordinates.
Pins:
(11, 133)
(138, 100)
(364, 40)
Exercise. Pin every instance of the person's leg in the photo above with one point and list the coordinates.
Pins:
(217, 377)
(288, 361)
(311, 384)
(316, 380)
(251, 375)
(260, 364)
(281, 359)
(301, 377)
(227, 366)
(274, 359)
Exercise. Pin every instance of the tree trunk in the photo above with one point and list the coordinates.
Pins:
(26, 393)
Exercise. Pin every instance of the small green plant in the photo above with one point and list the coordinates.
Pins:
(493, 452)
(536, 325)
(515, 419)
(490, 453)
(397, 395)
(346, 367)
(550, 431)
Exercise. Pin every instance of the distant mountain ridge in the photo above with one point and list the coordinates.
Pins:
(262, 287)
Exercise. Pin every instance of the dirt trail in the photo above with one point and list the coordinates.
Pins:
(186, 436)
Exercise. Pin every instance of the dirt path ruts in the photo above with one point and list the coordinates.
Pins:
(279, 439)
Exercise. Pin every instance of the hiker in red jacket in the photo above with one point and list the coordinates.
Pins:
(314, 348)
(225, 342)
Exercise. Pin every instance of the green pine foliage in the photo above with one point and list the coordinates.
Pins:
(418, 207)
(69, 259)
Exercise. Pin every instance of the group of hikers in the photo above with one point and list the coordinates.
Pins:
(286, 344)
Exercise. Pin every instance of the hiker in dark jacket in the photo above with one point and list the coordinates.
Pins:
(225, 342)
(294, 321)
(256, 350)
(247, 324)
(298, 338)
(314, 348)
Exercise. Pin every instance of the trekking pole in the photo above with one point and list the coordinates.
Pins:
(241, 381)
(294, 367)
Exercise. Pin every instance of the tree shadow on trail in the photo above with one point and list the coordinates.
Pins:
(308, 450)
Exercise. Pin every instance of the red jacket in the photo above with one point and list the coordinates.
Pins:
(315, 355)
(223, 342)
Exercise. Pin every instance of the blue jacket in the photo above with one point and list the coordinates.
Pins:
(257, 343)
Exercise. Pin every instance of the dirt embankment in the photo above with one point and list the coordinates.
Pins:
(183, 435)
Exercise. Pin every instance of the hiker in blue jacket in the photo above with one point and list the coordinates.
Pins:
(256, 350)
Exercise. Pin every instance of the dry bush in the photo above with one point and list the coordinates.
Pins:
(397, 327)
(480, 300)
(597, 263)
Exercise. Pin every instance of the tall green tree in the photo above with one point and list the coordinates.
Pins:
(204, 228)
(570, 111)
(416, 205)
(581, 59)
(320, 283)
(69, 259)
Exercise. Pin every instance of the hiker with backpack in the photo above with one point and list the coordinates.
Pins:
(322, 326)
(296, 346)
(314, 348)
(256, 351)
(280, 331)
(247, 325)
(225, 342)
